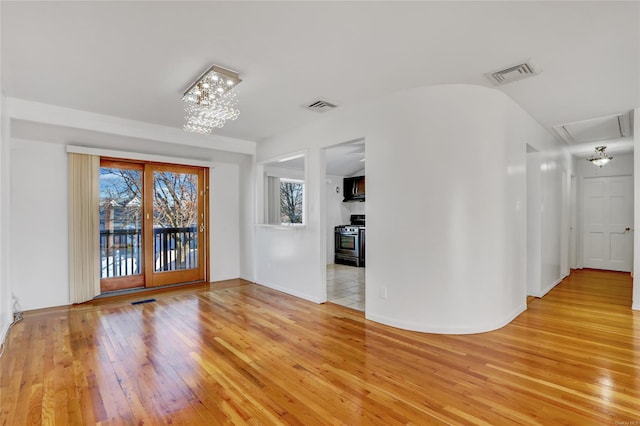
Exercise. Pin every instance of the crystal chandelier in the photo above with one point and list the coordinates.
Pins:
(600, 158)
(211, 100)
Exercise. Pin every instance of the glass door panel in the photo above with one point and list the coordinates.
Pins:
(178, 225)
(121, 245)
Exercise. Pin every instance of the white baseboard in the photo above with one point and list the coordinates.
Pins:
(3, 332)
(551, 286)
(438, 329)
(294, 293)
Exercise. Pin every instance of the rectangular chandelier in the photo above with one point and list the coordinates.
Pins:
(211, 100)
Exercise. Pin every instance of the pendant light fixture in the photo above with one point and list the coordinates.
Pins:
(600, 158)
(211, 100)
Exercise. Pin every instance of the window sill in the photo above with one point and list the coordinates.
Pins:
(270, 226)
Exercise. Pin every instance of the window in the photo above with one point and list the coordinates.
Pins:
(283, 195)
(291, 201)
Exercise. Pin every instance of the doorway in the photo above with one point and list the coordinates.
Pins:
(608, 223)
(153, 222)
(345, 280)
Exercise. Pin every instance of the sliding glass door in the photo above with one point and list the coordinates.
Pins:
(177, 224)
(152, 224)
(121, 245)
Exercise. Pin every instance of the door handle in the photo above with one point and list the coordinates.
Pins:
(628, 228)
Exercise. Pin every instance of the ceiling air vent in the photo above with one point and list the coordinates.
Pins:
(320, 106)
(513, 73)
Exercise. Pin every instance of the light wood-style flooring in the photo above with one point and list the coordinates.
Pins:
(239, 353)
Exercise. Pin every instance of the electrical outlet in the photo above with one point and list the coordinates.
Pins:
(383, 292)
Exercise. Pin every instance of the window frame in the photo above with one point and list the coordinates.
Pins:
(263, 172)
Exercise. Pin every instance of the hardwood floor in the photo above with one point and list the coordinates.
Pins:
(239, 353)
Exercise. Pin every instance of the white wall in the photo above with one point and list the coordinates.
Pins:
(292, 259)
(6, 310)
(247, 218)
(456, 261)
(356, 207)
(552, 222)
(39, 244)
(534, 223)
(622, 164)
(548, 174)
(636, 206)
(224, 198)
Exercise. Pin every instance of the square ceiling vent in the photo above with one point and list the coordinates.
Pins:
(596, 129)
(515, 72)
(320, 105)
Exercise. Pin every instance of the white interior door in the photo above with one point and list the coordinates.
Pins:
(608, 223)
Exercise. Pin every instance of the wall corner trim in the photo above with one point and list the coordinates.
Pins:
(550, 287)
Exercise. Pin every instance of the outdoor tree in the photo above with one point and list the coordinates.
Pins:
(121, 191)
(175, 197)
(175, 204)
(291, 202)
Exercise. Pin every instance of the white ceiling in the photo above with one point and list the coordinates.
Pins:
(346, 159)
(134, 59)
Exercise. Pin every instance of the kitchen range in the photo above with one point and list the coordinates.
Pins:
(350, 241)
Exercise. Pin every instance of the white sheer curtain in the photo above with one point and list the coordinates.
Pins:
(84, 227)
(273, 200)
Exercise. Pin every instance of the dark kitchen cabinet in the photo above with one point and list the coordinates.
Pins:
(354, 189)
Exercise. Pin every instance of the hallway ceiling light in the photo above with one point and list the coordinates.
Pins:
(211, 100)
(600, 158)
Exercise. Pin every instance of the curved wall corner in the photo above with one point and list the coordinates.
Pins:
(446, 199)
(446, 207)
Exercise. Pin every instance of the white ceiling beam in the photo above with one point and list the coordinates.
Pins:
(20, 109)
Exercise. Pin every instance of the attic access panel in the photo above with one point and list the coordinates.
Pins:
(596, 129)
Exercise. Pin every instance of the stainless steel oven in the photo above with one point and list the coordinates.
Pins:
(347, 244)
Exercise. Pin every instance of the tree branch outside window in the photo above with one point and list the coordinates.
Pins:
(291, 196)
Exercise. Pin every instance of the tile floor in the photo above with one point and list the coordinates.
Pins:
(345, 286)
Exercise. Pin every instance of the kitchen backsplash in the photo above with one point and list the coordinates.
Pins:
(356, 208)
